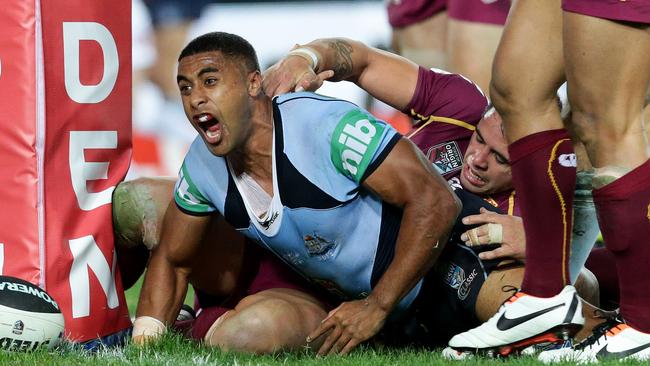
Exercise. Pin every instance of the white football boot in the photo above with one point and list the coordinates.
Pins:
(524, 320)
(610, 340)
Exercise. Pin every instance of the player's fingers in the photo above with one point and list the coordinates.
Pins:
(340, 344)
(470, 237)
(324, 326)
(349, 347)
(268, 88)
(487, 212)
(331, 313)
(324, 75)
(494, 254)
(142, 340)
(274, 89)
(307, 81)
(278, 91)
(312, 85)
(491, 216)
(330, 341)
(494, 233)
(476, 219)
(139, 340)
(269, 84)
(309, 84)
(476, 236)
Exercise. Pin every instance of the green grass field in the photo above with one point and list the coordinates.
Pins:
(174, 350)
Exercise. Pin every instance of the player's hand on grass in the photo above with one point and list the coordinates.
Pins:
(141, 340)
(292, 73)
(496, 228)
(146, 330)
(350, 324)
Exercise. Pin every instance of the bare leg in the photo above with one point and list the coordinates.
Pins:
(269, 321)
(425, 42)
(608, 70)
(138, 210)
(471, 47)
(528, 68)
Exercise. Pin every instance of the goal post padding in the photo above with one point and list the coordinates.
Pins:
(65, 105)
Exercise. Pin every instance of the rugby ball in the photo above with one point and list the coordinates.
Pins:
(29, 316)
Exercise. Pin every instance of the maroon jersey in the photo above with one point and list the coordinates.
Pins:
(447, 107)
(637, 11)
(479, 11)
(402, 13)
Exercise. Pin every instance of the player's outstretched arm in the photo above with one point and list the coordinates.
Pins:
(165, 282)
(386, 76)
(407, 180)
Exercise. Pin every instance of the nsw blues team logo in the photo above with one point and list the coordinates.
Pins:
(445, 157)
(466, 286)
(455, 276)
(318, 246)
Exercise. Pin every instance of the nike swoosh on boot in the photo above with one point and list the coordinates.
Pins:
(505, 323)
(605, 353)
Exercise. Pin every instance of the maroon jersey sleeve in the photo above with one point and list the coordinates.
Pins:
(446, 108)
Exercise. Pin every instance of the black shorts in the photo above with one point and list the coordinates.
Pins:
(445, 305)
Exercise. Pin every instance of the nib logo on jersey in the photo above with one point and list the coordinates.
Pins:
(354, 142)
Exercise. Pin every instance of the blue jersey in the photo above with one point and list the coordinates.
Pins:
(321, 221)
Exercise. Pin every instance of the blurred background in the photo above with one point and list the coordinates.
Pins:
(161, 134)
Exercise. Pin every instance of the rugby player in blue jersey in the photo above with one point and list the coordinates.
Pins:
(337, 195)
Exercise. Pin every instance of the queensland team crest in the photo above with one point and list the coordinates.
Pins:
(445, 157)
(18, 328)
(455, 276)
(317, 245)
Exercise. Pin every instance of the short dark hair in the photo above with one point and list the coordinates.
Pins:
(230, 45)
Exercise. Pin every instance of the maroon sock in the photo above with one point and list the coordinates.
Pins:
(623, 208)
(544, 176)
(205, 319)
